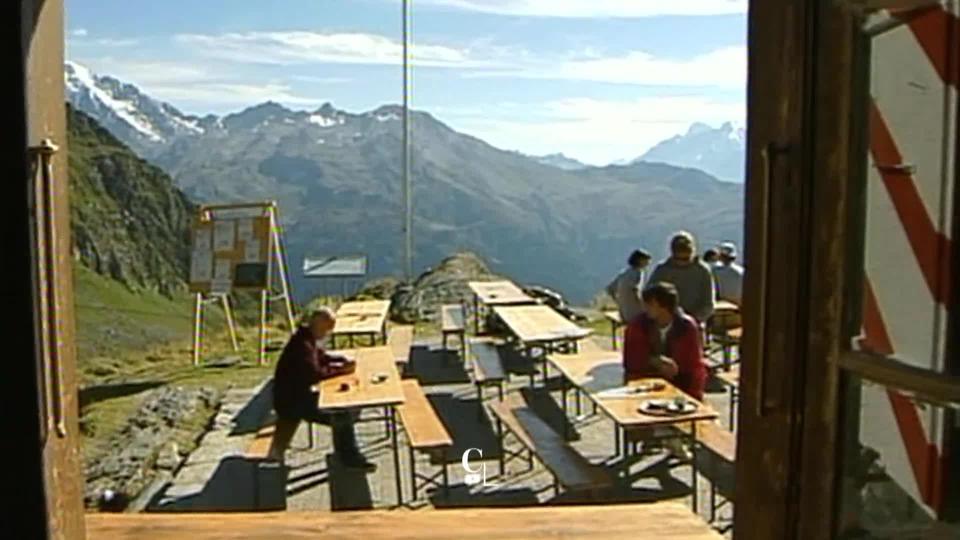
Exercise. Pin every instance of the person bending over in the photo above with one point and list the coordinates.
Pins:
(302, 364)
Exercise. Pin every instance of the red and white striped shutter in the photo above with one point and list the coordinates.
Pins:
(912, 167)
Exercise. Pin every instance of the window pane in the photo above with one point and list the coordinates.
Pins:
(895, 481)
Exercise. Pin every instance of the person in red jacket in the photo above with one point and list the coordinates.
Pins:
(665, 342)
(302, 364)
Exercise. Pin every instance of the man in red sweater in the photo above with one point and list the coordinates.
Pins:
(665, 342)
(302, 364)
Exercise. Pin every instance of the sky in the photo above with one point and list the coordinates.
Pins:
(598, 80)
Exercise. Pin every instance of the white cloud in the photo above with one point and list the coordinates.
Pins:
(78, 32)
(197, 87)
(726, 67)
(595, 8)
(300, 47)
(591, 130)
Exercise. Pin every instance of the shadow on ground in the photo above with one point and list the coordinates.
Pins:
(436, 366)
(251, 417)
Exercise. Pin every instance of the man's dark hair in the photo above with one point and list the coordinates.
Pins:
(711, 254)
(637, 257)
(662, 293)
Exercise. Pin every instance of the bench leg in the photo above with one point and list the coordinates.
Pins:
(713, 503)
(501, 459)
(386, 422)
(556, 486)
(529, 459)
(500, 391)
(446, 481)
(613, 334)
(479, 401)
(413, 475)
(396, 455)
(310, 435)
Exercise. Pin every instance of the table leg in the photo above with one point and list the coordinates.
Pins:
(693, 465)
(396, 454)
(732, 405)
(476, 315)
(413, 476)
(613, 334)
(563, 406)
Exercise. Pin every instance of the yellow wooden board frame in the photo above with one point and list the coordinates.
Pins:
(267, 231)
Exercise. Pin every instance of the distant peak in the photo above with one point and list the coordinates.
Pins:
(327, 109)
(269, 106)
(698, 127)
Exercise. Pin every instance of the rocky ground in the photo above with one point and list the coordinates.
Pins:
(153, 441)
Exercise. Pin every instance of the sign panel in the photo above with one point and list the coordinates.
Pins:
(336, 266)
(223, 242)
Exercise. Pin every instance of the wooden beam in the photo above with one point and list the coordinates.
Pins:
(662, 521)
(922, 384)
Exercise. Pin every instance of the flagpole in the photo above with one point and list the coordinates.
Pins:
(407, 191)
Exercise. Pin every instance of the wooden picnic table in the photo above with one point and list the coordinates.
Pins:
(599, 375)
(363, 392)
(539, 324)
(487, 294)
(660, 521)
(616, 321)
(362, 318)
(540, 327)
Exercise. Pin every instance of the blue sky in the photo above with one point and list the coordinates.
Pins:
(599, 80)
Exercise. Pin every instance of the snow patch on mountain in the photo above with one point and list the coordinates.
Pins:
(80, 80)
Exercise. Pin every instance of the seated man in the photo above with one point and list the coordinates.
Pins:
(729, 274)
(665, 342)
(303, 364)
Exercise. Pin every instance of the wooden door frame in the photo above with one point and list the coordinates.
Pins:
(28, 509)
(800, 136)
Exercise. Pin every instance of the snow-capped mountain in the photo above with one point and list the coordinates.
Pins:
(719, 151)
(561, 161)
(122, 108)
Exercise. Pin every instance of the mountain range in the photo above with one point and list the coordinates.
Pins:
(719, 151)
(336, 175)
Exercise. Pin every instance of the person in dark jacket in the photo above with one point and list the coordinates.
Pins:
(302, 364)
(691, 276)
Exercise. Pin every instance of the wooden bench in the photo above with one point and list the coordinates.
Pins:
(569, 469)
(722, 444)
(487, 369)
(425, 433)
(269, 477)
(400, 339)
(589, 345)
(453, 323)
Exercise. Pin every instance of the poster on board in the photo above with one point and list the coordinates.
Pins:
(201, 265)
(224, 238)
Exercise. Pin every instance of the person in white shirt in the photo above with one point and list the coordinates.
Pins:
(625, 289)
(728, 274)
